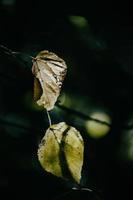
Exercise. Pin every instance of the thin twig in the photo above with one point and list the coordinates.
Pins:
(6, 50)
(13, 53)
(82, 115)
(83, 189)
(88, 190)
(5, 122)
(20, 53)
(49, 118)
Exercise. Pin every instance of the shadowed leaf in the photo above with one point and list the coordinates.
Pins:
(62, 145)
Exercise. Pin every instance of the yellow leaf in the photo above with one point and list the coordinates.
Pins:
(62, 145)
(74, 148)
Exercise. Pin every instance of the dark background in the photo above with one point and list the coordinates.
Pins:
(100, 69)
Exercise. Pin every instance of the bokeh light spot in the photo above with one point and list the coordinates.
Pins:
(96, 129)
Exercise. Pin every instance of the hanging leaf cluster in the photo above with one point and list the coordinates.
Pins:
(61, 150)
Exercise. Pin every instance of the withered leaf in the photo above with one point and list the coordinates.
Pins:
(50, 70)
(37, 89)
(62, 145)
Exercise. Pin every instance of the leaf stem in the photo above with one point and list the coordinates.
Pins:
(49, 118)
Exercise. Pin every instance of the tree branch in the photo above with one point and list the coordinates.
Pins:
(82, 115)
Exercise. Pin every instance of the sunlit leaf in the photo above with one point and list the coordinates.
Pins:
(62, 148)
(73, 149)
(50, 70)
(49, 149)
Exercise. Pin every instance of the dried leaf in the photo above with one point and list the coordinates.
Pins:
(62, 145)
(50, 70)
